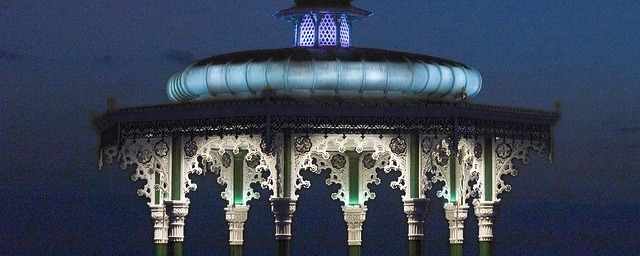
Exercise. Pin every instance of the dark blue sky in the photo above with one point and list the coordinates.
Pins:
(60, 59)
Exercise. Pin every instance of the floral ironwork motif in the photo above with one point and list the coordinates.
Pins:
(442, 153)
(254, 161)
(144, 156)
(338, 161)
(225, 160)
(427, 145)
(398, 145)
(368, 161)
(161, 148)
(504, 150)
(303, 144)
(190, 148)
(477, 150)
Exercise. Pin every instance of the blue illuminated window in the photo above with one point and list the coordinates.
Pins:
(327, 31)
(344, 31)
(307, 31)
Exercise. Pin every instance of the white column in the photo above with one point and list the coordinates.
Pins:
(283, 209)
(160, 224)
(177, 211)
(456, 214)
(486, 213)
(236, 215)
(416, 210)
(354, 215)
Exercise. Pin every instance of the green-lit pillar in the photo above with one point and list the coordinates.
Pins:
(160, 229)
(177, 211)
(283, 206)
(236, 215)
(486, 212)
(237, 212)
(283, 209)
(416, 210)
(456, 214)
(355, 216)
(415, 207)
(178, 207)
(354, 212)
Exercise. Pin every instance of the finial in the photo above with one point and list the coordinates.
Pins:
(111, 102)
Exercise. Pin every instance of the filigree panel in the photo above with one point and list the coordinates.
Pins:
(202, 155)
(150, 157)
(435, 151)
(508, 150)
(470, 167)
(309, 150)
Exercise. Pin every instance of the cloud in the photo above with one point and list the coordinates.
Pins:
(9, 55)
(180, 56)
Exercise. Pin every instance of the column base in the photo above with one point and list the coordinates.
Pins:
(160, 249)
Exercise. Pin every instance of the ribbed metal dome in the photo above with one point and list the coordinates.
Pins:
(327, 73)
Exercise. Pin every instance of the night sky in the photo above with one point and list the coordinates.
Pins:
(59, 60)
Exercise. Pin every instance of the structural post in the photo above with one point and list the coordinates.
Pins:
(177, 211)
(354, 215)
(160, 229)
(456, 214)
(486, 212)
(283, 209)
(236, 215)
(416, 210)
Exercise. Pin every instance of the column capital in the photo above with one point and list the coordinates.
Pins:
(160, 223)
(354, 215)
(456, 214)
(416, 210)
(177, 211)
(283, 209)
(236, 215)
(486, 211)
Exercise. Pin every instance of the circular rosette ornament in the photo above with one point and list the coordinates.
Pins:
(338, 161)
(504, 150)
(226, 160)
(368, 161)
(254, 161)
(161, 148)
(190, 148)
(398, 145)
(144, 156)
(303, 144)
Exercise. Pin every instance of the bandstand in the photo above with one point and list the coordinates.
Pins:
(263, 116)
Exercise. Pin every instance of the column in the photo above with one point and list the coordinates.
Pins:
(160, 229)
(177, 211)
(456, 214)
(283, 209)
(236, 215)
(354, 215)
(486, 213)
(416, 210)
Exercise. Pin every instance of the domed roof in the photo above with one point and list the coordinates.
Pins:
(324, 74)
(323, 66)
